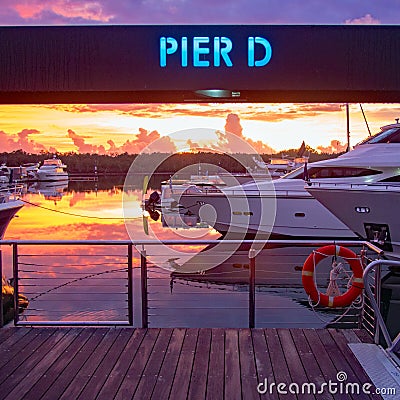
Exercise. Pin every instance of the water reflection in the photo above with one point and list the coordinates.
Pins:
(78, 283)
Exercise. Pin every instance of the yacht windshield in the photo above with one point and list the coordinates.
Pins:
(331, 172)
(391, 135)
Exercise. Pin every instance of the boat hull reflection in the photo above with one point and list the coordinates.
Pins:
(276, 266)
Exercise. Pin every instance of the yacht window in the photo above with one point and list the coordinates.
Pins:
(395, 178)
(336, 172)
(391, 135)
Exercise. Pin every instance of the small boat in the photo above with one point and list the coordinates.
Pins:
(52, 170)
(5, 174)
(29, 172)
(10, 204)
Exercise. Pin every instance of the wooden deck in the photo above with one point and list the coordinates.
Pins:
(125, 363)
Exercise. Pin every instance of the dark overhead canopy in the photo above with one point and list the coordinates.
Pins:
(254, 63)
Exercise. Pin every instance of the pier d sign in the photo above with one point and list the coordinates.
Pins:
(205, 51)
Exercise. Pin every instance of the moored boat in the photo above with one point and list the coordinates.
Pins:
(10, 204)
(248, 210)
(52, 169)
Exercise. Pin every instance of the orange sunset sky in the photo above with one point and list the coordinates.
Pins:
(117, 128)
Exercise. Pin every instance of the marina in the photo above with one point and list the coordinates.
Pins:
(240, 282)
(152, 302)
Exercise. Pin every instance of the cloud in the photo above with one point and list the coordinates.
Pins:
(367, 19)
(336, 146)
(140, 143)
(20, 141)
(69, 9)
(233, 126)
(83, 147)
(194, 11)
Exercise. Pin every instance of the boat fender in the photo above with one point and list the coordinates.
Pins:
(307, 276)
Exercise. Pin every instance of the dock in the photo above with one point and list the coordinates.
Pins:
(176, 363)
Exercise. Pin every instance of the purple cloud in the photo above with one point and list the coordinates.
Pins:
(65, 12)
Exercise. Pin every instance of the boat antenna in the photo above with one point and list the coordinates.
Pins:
(348, 127)
(365, 119)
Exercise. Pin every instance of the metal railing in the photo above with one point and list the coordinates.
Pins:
(373, 291)
(42, 283)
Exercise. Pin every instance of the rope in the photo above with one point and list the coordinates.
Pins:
(75, 280)
(77, 215)
(333, 288)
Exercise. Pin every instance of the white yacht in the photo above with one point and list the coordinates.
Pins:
(9, 206)
(52, 170)
(368, 210)
(283, 208)
(5, 174)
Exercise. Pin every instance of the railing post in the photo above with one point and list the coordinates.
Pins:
(130, 285)
(252, 288)
(1, 290)
(15, 282)
(377, 295)
(143, 278)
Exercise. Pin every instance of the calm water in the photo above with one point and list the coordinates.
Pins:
(89, 283)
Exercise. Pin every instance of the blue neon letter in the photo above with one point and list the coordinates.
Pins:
(218, 51)
(197, 50)
(164, 50)
(268, 51)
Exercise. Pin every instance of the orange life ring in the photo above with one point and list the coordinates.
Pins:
(307, 276)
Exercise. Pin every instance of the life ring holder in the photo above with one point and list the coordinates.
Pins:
(307, 277)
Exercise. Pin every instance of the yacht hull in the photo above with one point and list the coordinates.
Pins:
(7, 212)
(52, 177)
(370, 212)
(297, 216)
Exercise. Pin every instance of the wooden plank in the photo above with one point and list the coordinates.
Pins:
(295, 366)
(248, 370)
(364, 336)
(323, 358)
(350, 336)
(169, 365)
(74, 367)
(134, 373)
(150, 374)
(13, 344)
(180, 385)
(6, 333)
(121, 367)
(278, 360)
(233, 389)
(198, 380)
(57, 367)
(338, 359)
(265, 374)
(101, 374)
(342, 344)
(216, 368)
(310, 363)
(26, 358)
(47, 358)
(75, 387)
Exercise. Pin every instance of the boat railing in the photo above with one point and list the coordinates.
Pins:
(94, 282)
(300, 192)
(11, 192)
(373, 290)
(355, 186)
